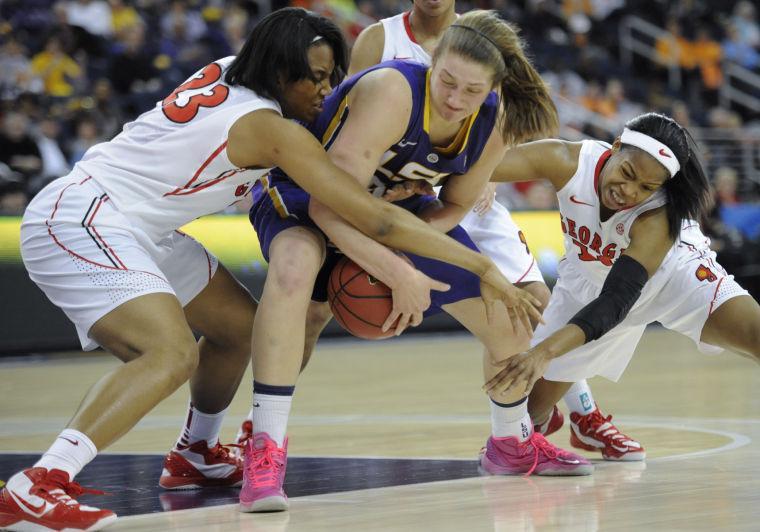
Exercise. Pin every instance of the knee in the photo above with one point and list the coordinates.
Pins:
(179, 357)
(540, 291)
(292, 274)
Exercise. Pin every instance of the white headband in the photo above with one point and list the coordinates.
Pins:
(653, 147)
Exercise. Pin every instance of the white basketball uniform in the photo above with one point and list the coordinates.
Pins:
(107, 232)
(688, 286)
(495, 233)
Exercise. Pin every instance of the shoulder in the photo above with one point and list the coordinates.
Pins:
(368, 49)
(389, 85)
(651, 225)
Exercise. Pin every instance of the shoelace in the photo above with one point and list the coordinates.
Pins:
(542, 446)
(222, 452)
(603, 426)
(266, 464)
(57, 487)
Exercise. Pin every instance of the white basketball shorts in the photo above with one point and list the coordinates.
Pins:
(498, 237)
(89, 258)
(696, 287)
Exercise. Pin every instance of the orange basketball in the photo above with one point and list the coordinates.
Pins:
(359, 302)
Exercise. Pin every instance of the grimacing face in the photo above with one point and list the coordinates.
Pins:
(629, 177)
(303, 99)
(458, 86)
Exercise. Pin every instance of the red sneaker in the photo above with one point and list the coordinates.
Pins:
(551, 425)
(38, 499)
(245, 432)
(198, 466)
(594, 432)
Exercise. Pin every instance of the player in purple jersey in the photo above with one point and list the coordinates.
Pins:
(447, 118)
(634, 254)
(413, 36)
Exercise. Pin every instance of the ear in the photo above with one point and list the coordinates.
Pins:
(616, 145)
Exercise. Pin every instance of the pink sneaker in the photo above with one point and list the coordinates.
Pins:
(551, 425)
(509, 456)
(264, 474)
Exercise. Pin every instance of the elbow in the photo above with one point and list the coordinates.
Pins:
(381, 226)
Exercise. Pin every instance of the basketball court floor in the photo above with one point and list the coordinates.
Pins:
(384, 436)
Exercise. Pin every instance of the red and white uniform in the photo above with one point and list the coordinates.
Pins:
(688, 286)
(495, 233)
(107, 232)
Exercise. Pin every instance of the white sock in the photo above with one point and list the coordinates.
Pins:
(70, 452)
(579, 399)
(270, 415)
(201, 426)
(511, 420)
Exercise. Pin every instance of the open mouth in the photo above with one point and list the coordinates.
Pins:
(616, 199)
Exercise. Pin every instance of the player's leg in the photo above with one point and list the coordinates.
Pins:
(735, 325)
(222, 313)
(317, 318)
(514, 447)
(109, 286)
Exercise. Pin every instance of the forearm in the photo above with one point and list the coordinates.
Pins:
(376, 259)
(560, 342)
(442, 215)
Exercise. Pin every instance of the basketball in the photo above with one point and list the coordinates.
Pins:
(359, 302)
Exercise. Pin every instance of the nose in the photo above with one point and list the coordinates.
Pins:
(629, 193)
(325, 87)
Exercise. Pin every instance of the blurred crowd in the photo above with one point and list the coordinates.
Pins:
(73, 71)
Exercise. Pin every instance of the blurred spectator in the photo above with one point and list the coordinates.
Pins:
(745, 21)
(133, 73)
(123, 17)
(56, 69)
(725, 184)
(707, 55)
(54, 162)
(91, 23)
(541, 196)
(21, 157)
(738, 51)
(87, 135)
(16, 74)
(109, 114)
(191, 22)
(235, 24)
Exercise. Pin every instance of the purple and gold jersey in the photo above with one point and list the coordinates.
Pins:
(412, 157)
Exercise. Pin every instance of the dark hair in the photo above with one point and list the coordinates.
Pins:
(687, 192)
(528, 110)
(278, 46)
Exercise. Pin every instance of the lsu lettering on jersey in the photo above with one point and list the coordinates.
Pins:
(170, 165)
(400, 42)
(413, 157)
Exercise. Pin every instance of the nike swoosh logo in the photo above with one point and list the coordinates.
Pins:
(28, 507)
(256, 405)
(72, 442)
(662, 152)
(579, 202)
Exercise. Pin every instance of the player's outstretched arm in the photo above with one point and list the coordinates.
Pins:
(555, 160)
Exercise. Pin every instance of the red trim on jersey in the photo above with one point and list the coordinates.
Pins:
(408, 27)
(598, 170)
(714, 296)
(211, 183)
(77, 255)
(178, 191)
(526, 271)
(102, 240)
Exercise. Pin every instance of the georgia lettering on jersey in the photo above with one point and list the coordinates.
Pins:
(593, 245)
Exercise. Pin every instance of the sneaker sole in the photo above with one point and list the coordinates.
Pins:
(275, 503)
(581, 470)
(630, 456)
(178, 484)
(26, 526)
